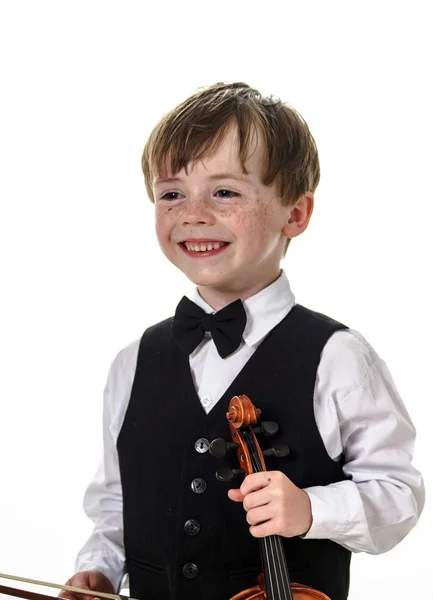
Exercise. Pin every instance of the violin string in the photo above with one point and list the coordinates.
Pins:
(284, 568)
(268, 541)
(271, 542)
(273, 546)
(278, 554)
(257, 468)
(276, 547)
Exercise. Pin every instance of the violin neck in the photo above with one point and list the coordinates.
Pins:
(277, 579)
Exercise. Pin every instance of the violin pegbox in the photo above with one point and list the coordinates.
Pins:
(242, 417)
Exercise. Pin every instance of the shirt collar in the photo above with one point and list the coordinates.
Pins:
(264, 310)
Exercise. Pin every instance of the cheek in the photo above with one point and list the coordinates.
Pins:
(258, 223)
(163, 221)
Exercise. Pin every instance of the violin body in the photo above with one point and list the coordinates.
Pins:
(298, 590)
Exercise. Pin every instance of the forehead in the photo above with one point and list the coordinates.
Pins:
(225, 158)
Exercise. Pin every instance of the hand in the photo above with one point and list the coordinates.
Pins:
(87, 580)
(274, 505)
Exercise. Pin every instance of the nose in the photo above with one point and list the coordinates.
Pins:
(197, 212)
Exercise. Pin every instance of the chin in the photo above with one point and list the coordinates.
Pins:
(207, 280)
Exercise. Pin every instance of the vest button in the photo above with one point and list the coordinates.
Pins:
(206, 401)
(190, 570)
(201, 445)
(198, 485)
(192, 527)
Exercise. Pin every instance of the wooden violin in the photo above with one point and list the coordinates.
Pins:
(274, 583)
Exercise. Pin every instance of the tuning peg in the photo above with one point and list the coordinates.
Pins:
(227, 474)
(278, 451)
(219, 447)
(266, 427)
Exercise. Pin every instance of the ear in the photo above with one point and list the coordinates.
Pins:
(300, 215)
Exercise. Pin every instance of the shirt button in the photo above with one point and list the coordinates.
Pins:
(190, 570)
(198, 485)
(206, 401)
(192, 527)
(202, 445)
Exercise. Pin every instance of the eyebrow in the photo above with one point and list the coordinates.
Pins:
(235, 176)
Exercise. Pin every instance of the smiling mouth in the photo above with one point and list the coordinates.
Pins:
(203, 246)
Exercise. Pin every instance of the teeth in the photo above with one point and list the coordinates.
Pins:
(204, 247)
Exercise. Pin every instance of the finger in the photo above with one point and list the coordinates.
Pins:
(259, 515)
(78, 581)
(75, 596)
(98, 581)
(261, 497)
(264, 529)
(255, 481)
(235, 495)
(71, 595)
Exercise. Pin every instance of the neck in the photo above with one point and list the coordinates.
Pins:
(277, 579)
(218, 298)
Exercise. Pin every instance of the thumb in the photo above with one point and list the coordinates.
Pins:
(76, 595)
(235, 495)
(65, 595)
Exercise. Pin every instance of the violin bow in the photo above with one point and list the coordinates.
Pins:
(35, 596)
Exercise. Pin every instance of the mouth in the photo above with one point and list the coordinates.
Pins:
(203, 248)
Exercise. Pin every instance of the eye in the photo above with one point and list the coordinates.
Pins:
(227, 194)
(170, 196)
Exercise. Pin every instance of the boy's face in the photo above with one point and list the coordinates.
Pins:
(225, 230)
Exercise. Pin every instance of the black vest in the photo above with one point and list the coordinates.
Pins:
(184, 538)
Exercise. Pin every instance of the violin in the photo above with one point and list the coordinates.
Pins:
(274, 583)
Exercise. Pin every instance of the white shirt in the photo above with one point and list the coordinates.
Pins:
(358, 412)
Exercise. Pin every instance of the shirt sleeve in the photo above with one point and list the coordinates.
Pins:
(361, 417)
(104, 550)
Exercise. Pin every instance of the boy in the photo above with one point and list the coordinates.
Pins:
(232, 175)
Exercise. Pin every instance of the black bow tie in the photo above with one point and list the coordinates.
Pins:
(226, 326)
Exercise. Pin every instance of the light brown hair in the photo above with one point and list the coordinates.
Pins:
(194, 129)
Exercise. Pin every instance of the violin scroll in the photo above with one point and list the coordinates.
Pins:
(242, 417)
(242, 412)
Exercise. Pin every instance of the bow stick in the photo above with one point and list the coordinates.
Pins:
(34, 596)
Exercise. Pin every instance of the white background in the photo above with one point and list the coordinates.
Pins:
(82, 84)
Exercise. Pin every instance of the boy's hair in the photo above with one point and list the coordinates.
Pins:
(194, 129)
